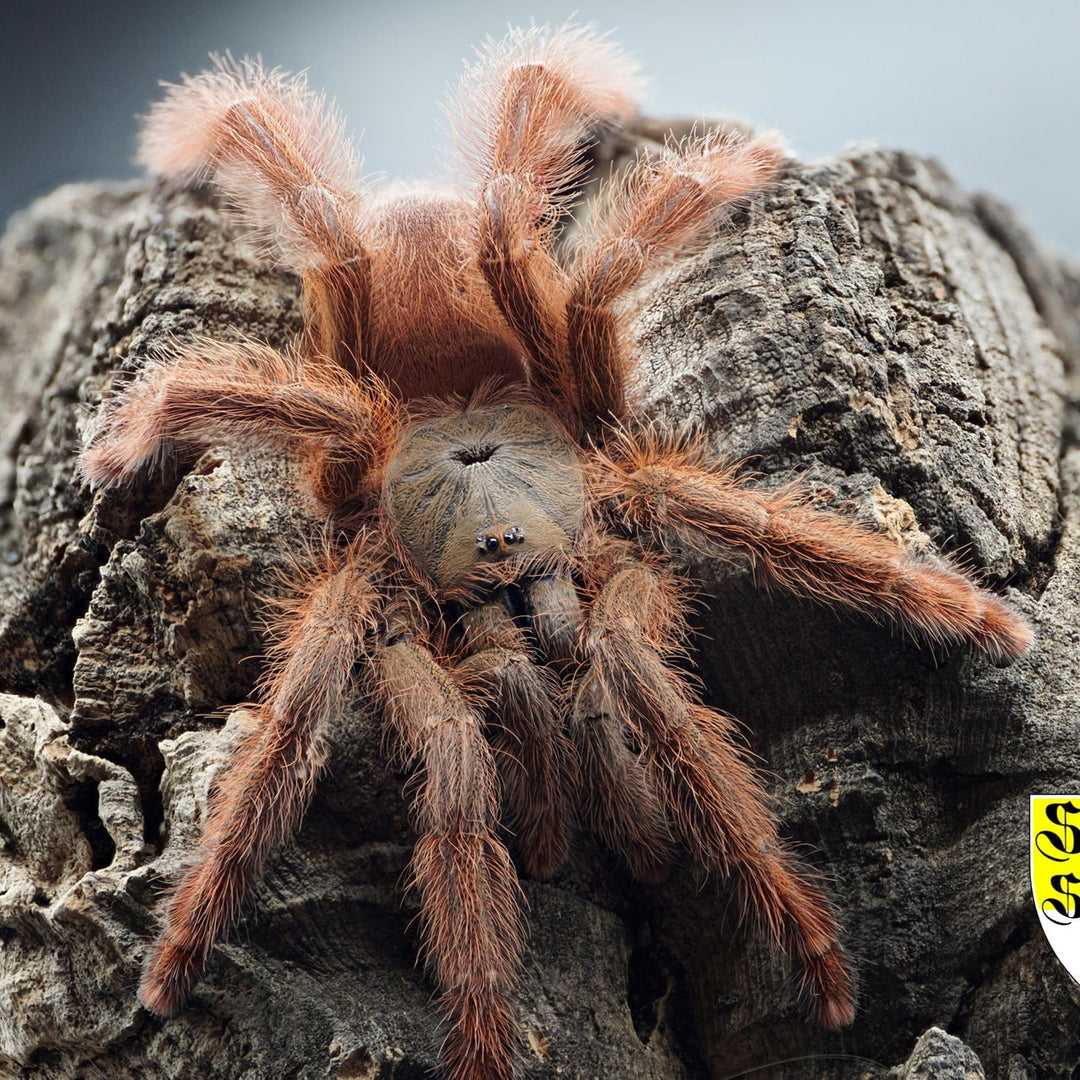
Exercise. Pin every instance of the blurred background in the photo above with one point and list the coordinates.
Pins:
(991, 87)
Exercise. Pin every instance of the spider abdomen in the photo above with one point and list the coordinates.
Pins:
(483, 485)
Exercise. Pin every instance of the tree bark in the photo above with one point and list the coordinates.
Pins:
(867, 324)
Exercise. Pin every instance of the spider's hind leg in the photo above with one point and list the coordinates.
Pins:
(537, 98)
(522, 117)
(710, 791)
(663, 205)
(279, 153)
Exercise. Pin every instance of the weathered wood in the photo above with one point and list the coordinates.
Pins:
(866, 322)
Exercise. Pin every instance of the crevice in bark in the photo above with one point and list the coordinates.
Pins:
(83, 802)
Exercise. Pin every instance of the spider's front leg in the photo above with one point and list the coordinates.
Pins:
(711, 793)
(268, 783)
(536, 761)
(469, 893)
(670, 492)
(619, 800)
(616, 799)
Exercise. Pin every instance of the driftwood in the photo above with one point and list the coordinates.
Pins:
(865, 322)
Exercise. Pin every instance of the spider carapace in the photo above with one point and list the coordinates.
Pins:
(494, 481)
(499, 517)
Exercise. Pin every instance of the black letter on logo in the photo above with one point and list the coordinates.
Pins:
(1068, 910)
(1069, 841)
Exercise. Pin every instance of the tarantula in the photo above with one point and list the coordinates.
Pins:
(499, 520)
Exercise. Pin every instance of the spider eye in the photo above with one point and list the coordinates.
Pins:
(491, 543)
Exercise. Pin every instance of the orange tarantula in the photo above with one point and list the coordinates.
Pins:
(498, 518)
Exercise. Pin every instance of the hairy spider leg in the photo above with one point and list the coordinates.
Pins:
(617, 801)
(534, 110)
(279, 152)
(522, 117)
(555, 615)
(469, 893)
(390, 285)
(211, 393)
(710, 791)
(658, 208)
(268, 782)
(535, 759)
(670, 492)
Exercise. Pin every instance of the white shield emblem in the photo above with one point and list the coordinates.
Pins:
(1055, 874)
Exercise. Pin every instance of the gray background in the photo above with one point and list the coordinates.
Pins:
(992, 88)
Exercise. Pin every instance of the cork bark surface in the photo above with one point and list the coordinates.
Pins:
(901, 343)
